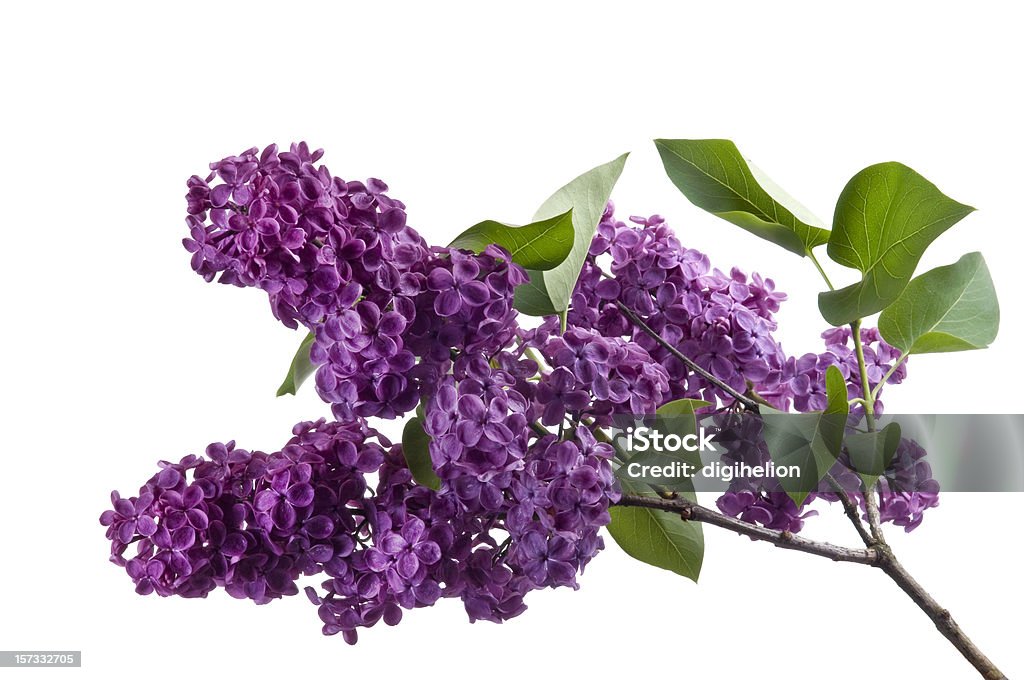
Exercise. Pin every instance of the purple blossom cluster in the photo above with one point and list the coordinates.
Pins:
(518, 509)
(806, 374)
(382, 357)
(723, 322)
(512, 414)
(248, 522)
(254, 523)
(598, 377)
(277, 221)
(764, 501)
(905, 490)
(553, 492)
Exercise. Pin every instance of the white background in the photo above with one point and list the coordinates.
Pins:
(116, 355)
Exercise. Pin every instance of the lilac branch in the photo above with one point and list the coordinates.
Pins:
(786, 540)
(851, 510)
(878, 555)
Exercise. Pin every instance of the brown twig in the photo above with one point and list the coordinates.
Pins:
(877, 554)
(940, 616)
(782, 539)
(850, 508)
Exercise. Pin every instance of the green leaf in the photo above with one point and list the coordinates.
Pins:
(836, 391)
(549, 292)
(659, 538)
(416, 449)
(872, 452)
(682, 407)
(714, 176)
(885, 218)
(539, 245)
(300, 369)
(810, 441)
(948, 309)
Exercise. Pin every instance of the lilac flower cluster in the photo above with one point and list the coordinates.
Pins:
(253, 523)
(804, 383)
(905, 490)
(249, 522)
(512, 414)
(549, 494)
(723, 322)
(518, 510)
(428, 545)
(380, 358)
(276, 221)
(806, 374)
(599, 377)
(764, 501)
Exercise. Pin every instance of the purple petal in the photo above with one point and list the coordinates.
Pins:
(300, 495)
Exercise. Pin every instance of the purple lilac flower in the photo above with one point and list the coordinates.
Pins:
(379, 358)
(905, 490)
(246, 521)
(724, 322)
(805, 376)
(397, 324)
(277, 221)
(597, 377)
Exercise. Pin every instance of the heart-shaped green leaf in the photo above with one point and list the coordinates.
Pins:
(810, 441)
(714, 176)
(539, 245)
(947, 309)
(871, 452)
(300, 369)
(885, 218)
(416, 449)
(659, 538)
(549, 292)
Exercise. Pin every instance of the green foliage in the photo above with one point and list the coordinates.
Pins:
(885, 219)
(549, 292)
(872, 452)
(947, 309)
(714, 176)
(836, 391)
(300, 369)
(661, 539)
(810, 441)
(539, 245)
(657, 537)
(681, 407)
(415, 448)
